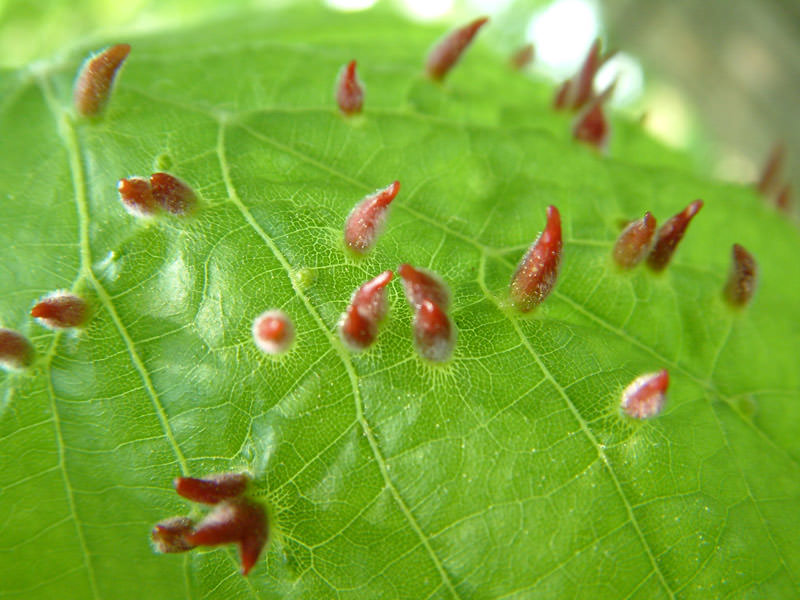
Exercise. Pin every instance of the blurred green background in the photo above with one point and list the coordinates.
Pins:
(718, 78)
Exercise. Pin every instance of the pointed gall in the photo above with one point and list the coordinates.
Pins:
(449, 49)
(421, 285)
(370, 298)
(358, 327)
(562, 95)
(239, 521)
(669, 234)
(349, 90)
(591, 125)
(273, 332)
(137, 196)
(357, 331)
(169, 536)
(16, 352)
(213, 488)
(61, 310)
(366, 220)
(577, 91)
(172, 194)
(633, 243)
(580, 88)
(742, 279)
(537, 272)
(645, 396)
(522, 57)
(434, 334)
(771, 173)
(784, 198)
(95, 79)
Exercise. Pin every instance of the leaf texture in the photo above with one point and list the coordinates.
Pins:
(506, 473)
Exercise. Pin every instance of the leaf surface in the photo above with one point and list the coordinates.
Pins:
(508, 472)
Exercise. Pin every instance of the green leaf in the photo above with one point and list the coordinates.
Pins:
(506, 473)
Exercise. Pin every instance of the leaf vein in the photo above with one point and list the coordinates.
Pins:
(341, 351)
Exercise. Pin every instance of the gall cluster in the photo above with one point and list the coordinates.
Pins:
(234, 517)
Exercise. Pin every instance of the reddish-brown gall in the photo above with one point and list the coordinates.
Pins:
(421, 285)
(365, 222)
(172, 194)
(349, 90)
(523, 57)
(169, 536)
(370, 298)
(273, 332)
(578, 91)
(770, 178)
(61, 310)
(591, 126)
(537, 272)
(96, 78)
(16, 352)
(236, 521)
(669, 235)
(137, 196)
(213, 488)
(446, 53)
(434, 333)
(633, 243)
(645, 396)
(358, 332)
(784, 198)
(742, 278)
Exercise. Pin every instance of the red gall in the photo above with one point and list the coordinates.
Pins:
(742, 278)
(633, 243)
(446, 53)
(273, 331)
(365, 222)
(422, 284)
(212, 488)
(349, 90)
(537, 271)
(16, 352)
(61, 310)
(645, 396)
(434, 333)
(669, 235)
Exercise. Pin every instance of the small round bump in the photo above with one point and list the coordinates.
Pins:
(273, 332)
